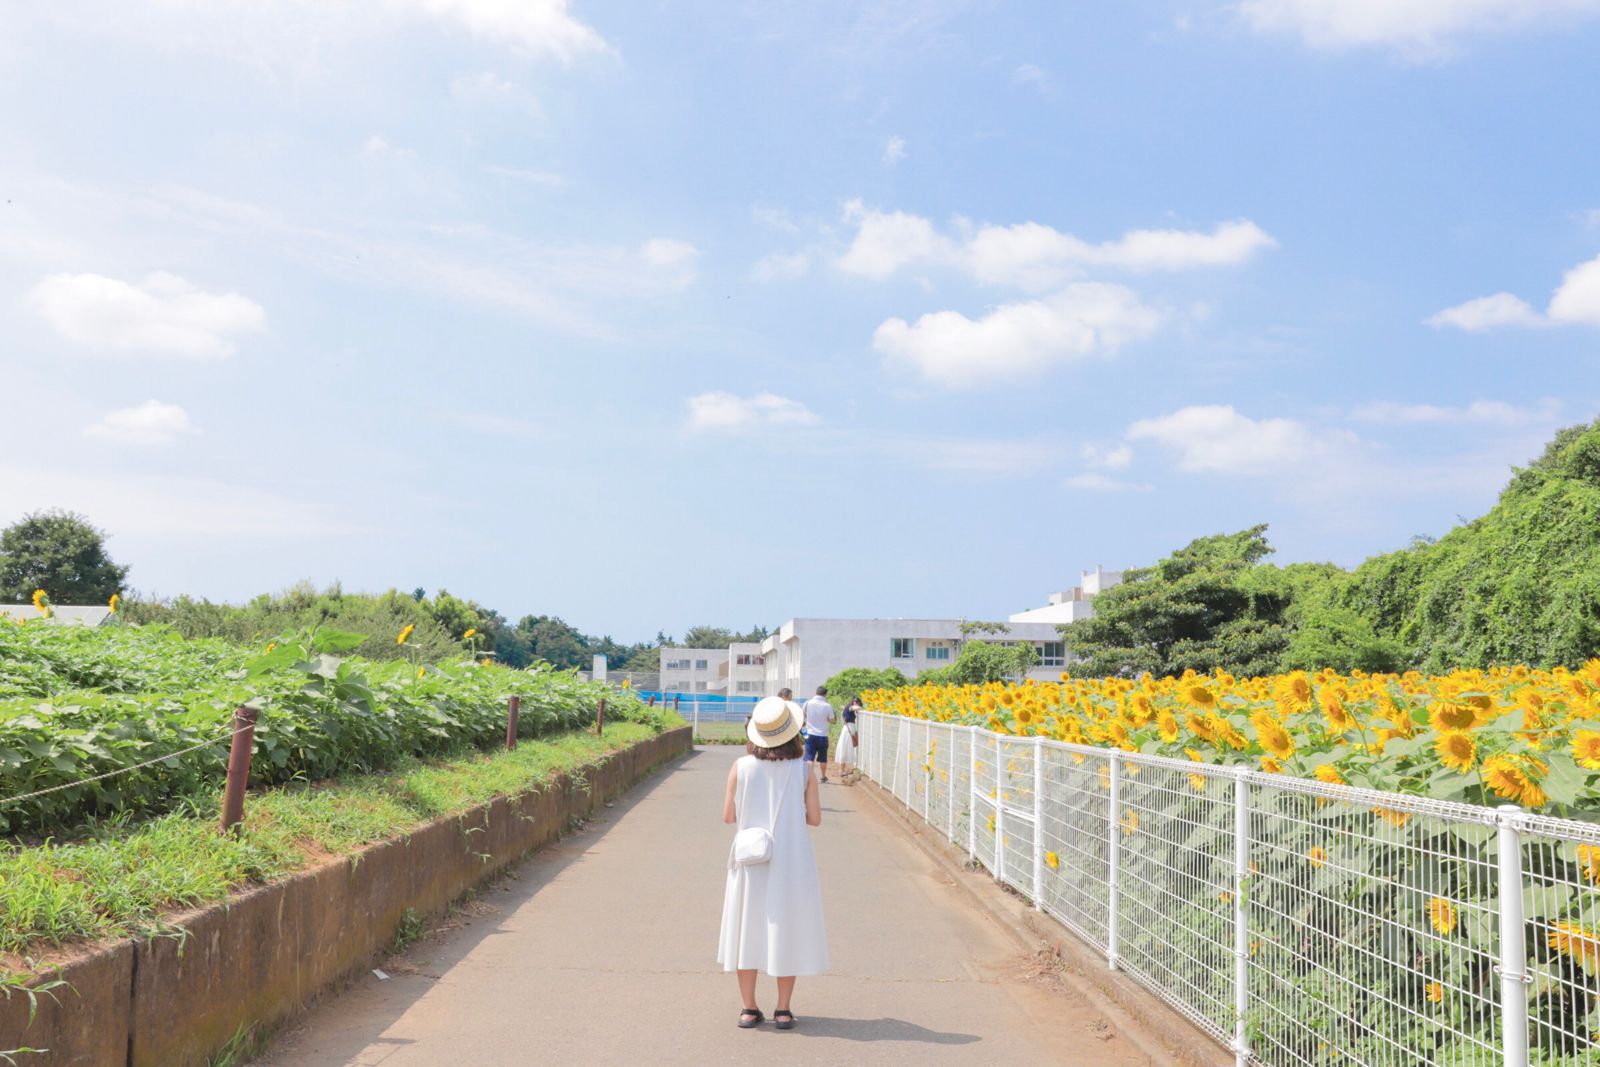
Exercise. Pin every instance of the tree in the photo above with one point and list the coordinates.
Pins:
(61, 553)
(981, 662)
(717, 637)
(1199, 609)
(853, 681)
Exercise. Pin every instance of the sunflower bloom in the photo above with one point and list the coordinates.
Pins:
(1436, 992)
(1199, 696)
(1317, 856)
(1586, 749)
(1167, 727)
(1392, 817)
(1445, 715)
(1130, 823)
(471, 632)
(1442, 915)
(113, 602)
(1327, 772)
(1576, 941)
(41, 602)
(1052, 860)
(1589, 857)
(405, 634)
(1456, 750)
(1274, 739)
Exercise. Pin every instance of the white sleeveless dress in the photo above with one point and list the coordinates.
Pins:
(772, 912)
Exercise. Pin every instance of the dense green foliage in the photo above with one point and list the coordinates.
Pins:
(76, 703)
(119, 883)
(984, 661)
(853, 681)
(59, 552)
(1521, 584)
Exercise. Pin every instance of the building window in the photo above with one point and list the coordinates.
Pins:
(699, 664)
(902, 648)
(677, 664)
(746, 659)
(749, 687)
(937, 651)
(1053, 654)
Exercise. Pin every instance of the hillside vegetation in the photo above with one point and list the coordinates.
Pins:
(1519, 585)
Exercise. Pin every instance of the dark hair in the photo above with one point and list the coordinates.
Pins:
(785, 693)
(790, 749)
(822, 690)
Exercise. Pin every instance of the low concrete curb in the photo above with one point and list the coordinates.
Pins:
(1144, 1020)
(260, 957)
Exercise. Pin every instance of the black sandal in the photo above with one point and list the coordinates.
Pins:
(751, 1018)
(783, 1019)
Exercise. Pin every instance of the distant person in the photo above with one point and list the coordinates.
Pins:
(819, 721)
(772, 908)
(850, 743)
(786, 694)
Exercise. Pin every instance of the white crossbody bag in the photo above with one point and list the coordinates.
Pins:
(753, 845)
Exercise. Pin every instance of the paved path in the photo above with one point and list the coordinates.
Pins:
(601, 950)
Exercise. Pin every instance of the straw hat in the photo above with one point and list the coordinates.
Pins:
(773, 721)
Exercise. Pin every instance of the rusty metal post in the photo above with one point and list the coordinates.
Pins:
(652, 700)
(600, 719)
(511, 723)
(675, 698)
(243, 743)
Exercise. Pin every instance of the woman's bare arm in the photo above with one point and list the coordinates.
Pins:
(813, 801)
(730, 809)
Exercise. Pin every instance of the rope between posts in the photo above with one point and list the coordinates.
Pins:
(127, 770)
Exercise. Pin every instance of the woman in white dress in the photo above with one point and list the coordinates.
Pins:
(772, 909)
(850, 744)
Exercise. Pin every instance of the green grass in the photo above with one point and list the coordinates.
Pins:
(125, 878)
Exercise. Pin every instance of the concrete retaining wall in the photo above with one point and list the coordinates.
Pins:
(262, 955)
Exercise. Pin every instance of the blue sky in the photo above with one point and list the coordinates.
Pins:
(652, 315)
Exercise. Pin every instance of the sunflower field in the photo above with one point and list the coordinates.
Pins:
(1373, 892)
(142, 701)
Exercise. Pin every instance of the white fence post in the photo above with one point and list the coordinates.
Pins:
(1513, 967)
(927, 767)
(999, 811)
(1113, 856)
(972, 794)
(1241, 919)
(695, 734)
(950, 783)
(1038, 822)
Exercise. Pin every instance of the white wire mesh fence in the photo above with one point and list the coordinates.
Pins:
(1299, 923)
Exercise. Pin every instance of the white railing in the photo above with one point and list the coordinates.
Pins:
(1299, 923)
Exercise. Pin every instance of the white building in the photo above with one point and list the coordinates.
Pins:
(746, 670)
(63, 615)
(692, 670)
(804, 653)
(1074, 604)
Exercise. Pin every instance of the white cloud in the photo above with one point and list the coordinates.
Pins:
(164, 314)
(887, 241)
(1020, 340)
(1215, 437)
(666, 252)
(717, 411)
(1485, 412)
(377, 146)
(487, 87)
(1034, 77)
(1033, 255)
(1095, 482)
(894, 150)
(1576, 301)
(534, 27)
(1486, 313)
(781, 266)
(151, 423)
(1418, 28)
(1112, 457)
(533, 177)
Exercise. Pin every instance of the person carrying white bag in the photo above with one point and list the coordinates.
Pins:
(772, 906)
